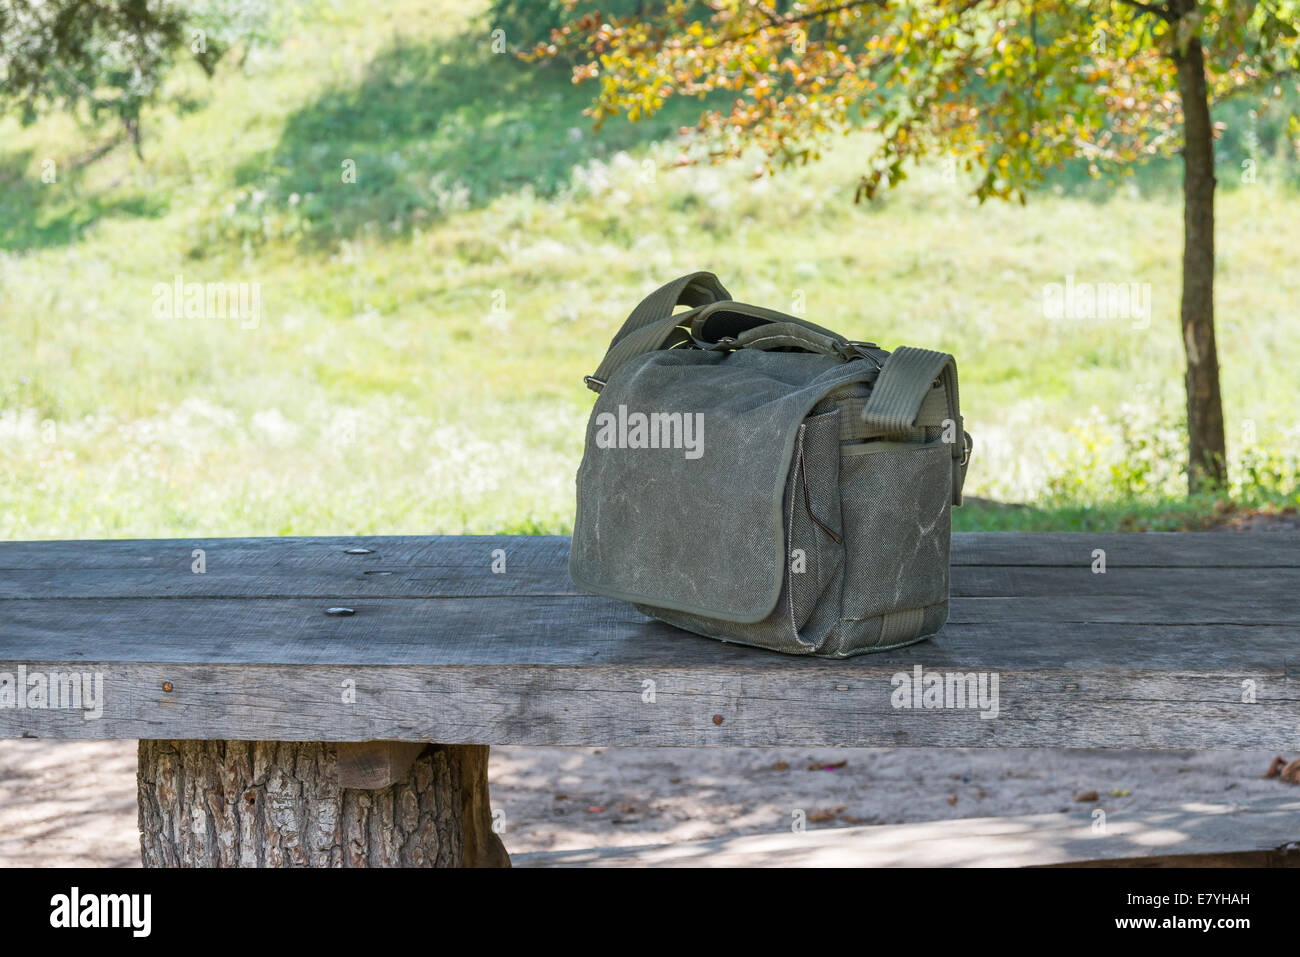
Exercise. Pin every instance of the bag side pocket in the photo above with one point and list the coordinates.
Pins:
(896, 502)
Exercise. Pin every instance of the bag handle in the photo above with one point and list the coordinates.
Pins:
(905, 380)
(651, 323)
(731, 319)
(694, 289)
(714, 321)
(792, 335)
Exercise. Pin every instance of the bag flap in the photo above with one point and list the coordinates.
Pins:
(683, 473)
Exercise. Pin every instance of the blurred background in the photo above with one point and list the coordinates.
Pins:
(443, 246)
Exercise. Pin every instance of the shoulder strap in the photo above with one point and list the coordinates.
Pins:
(901, 389)
(713, 319)
(695, 289)
(651, 323)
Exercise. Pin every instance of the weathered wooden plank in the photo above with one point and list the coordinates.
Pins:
(1065, 549)
(1155, 549)
(1051, 581)
(390, 580)
(1207, 658)
(288, 581)
(982, 634)
(313, 552)
(821, 704)
(1255, 834)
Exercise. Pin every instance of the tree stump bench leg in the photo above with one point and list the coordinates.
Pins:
(281, 804)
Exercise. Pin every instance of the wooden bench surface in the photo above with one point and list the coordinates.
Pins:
(1188, 640)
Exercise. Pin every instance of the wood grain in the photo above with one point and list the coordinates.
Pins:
(1063, 549)
(694, 707)
(1188, 640)
(982, 634)
(391, 580)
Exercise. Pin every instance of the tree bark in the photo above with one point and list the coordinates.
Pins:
(1206, 467)
(278, 804)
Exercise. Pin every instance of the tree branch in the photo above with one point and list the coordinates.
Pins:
(792, 19)
(1164, 13)
(809, 15)
(1254, 84)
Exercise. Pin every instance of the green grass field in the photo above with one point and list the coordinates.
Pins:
(424, 330)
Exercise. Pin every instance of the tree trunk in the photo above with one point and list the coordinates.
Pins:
(1207, 452)
(278, 804)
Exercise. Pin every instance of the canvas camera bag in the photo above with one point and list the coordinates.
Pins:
(756, 478)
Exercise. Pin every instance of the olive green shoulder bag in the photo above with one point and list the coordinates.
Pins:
(754, 477)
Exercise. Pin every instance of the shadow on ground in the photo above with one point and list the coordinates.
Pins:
(35, 214)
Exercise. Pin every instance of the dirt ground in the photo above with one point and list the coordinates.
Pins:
(73, 803)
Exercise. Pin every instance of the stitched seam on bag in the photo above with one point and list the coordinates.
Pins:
(894, 611)
(784, 340)
(803, 480)
(855, 652)
(817, 551)
(789, 540)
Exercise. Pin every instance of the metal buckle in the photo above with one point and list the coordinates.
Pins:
(592, 383)
(861, 349)
(725, 344)
(968, 446)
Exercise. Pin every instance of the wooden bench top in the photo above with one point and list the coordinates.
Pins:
(1188, 640)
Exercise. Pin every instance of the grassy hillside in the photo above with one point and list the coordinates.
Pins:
(424, 330)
